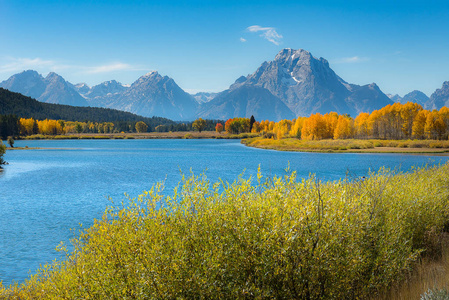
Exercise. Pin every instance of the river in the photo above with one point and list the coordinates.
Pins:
(44, 193)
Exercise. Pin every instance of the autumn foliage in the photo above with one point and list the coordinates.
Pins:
(31, 126)
(397, 121)
(219, 127)
(237, 125)
(261, 238)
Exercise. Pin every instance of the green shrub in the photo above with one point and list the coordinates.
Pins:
(377, 144)
(269, 135)
(435, 145)
(277, 238)
(436, 294)
(2, 152)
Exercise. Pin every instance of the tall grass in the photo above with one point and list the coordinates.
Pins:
(293, 144)
(282, 238)
(429, 276)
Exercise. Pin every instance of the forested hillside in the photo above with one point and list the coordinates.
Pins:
(15, 107)
(25, 107)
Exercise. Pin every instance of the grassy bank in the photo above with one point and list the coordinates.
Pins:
(350, 145)
(277, 238)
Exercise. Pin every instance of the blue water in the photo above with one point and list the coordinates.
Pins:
(47, 192)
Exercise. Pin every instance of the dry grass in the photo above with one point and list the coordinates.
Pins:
(351, 145)
(430, 272)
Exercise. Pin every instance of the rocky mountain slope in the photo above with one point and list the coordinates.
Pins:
(439, 98)
(294, 84)
(51, 89)
(204, 97)
(153, 95)
(415, 96)
(308, 85)
(245, 102)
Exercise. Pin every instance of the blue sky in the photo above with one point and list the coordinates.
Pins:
(207, 45)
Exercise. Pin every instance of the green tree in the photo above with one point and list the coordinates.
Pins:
(161, 128)
(11, 141)
(2, 152)
(252, 120)
(141, 126)
(199, 124)
(78, 128)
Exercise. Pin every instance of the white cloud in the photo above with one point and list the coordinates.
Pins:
(117, 66)
(350, 60)
(242, 40)
(268, 33)
(13, 64)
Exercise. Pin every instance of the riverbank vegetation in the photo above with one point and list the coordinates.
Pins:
(350, 145)
(393, 122)
(280, 238)
(394, 128)
(142, 135)
(2, 152)
(11, 125)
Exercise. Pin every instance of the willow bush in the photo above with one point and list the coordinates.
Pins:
(282, 237)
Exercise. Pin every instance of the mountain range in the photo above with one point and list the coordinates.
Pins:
(415, 96)
(294, 84)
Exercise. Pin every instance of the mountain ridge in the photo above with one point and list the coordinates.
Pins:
(308, 85)
(304, 84)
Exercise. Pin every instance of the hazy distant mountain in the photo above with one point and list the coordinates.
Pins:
(51, 89)
(395, 98)
(366, 98)
(58, 91)
(154, 95)
(416, 97)
(439, 98)
(106, 88)
(28, 83)
(246, 101)
(81, 88)
(204, 97)
(308, 85)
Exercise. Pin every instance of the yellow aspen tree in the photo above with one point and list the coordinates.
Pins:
(419, 123)
(361, 126)
(26, 126)
(408, 113)
(343, 129)
(373, 123)
(314, 128)
(331, 120)
(297, 127)
(444, 114)
(429, 127)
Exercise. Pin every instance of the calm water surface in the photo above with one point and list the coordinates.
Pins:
(45, 193)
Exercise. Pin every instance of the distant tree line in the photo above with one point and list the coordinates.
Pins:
(397, 121)
(21, 115)
(11, 125)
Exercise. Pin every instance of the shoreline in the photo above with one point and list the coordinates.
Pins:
(146, 135)
(255, 141)
(282, 146)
